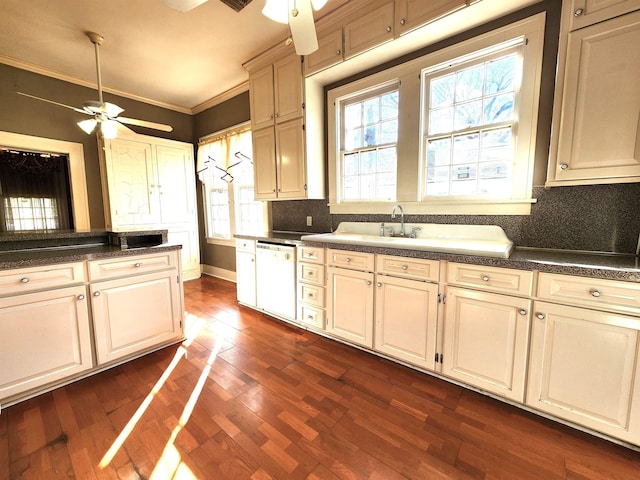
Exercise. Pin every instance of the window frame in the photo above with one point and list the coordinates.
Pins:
(231, 190)
(410, 168)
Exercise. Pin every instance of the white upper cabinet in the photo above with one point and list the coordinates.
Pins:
(368, 29)
(329, 53)
(597, 108)
(587, 12)
(411, 14)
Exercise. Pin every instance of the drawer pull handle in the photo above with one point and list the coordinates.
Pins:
(137, 264)
(485, 278)
(405, 267)
(522, 311)
(595, 293)
(81, 297)
(96, 294)
(24, 280)
(310, 274)
(309, 317)
(348, 259)
(310, 295)
(540, 316)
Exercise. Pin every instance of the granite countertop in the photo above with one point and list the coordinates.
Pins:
(588, 264)
(31, 249)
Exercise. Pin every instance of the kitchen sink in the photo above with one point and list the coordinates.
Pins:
(482, 240)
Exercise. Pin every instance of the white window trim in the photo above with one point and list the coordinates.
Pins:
(228, 242)
(410, 135)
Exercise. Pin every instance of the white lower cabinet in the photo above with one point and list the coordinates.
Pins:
(584, 368)
(44, 337)
(406, 319)
(485, 341)
(246, 272)
(350, 305)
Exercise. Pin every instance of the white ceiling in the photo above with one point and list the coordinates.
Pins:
(150, 52)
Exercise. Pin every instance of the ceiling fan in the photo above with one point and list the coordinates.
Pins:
(104, 113)
(297, 13)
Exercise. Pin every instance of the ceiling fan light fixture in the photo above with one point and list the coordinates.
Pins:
(277, 10)
(109, 128)
(88, 125)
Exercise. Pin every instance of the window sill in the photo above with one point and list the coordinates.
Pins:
(483, 207)
(227, 242)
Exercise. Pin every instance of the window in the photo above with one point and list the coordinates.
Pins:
(369, 156)
(471, 118)
(452, 132)
(225, 168)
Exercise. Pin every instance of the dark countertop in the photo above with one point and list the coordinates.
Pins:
(587, 264)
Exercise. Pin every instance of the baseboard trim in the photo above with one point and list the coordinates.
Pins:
(219, 273)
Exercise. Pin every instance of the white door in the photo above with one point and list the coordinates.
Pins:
(246, 278)
(44, 337)
(190, 254)
(350, 305)
(485, 341)
(406, 319)
(290, 159)
(176, 184)
(135, 313)
(584, 368)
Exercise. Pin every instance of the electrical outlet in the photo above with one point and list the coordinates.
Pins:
(309, 221)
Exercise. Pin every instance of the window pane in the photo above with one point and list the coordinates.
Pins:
(463, 179)
(389, 106)
(353, 139)
(466, 148)
(353, 116)
(371, 136)
(498, 108)
(438, 181)
(352, 164)
(469, 83)
(441, 91)
(439, 153)
(500, 75)
(389, 132)
(468, 115)
(372, 110)
(440, 121)
(368, 162)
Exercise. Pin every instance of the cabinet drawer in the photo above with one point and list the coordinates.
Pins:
(243, 245)
(311, 273)
(311, 294)
(312, 316)
(352, 260)
(493, 279)
(311, 254)
(40, 278)
(591, 292)
(121, 267)
(408, 267)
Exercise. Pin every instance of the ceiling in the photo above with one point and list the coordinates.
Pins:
(150, 52)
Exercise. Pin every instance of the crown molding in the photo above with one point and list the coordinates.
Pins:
(223, 97)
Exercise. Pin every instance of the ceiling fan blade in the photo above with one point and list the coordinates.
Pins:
(303, 29)
(145, 123)
(183, 5)
(111, 109)
(88, 125)
(79, 110)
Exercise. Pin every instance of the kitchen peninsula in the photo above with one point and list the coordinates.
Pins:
(75, 303)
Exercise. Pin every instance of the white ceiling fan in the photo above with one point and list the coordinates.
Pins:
(297, 13)
(104, 113)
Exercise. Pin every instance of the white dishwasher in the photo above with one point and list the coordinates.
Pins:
(276, 279)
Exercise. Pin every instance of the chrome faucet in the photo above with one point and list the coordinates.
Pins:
(393, 215)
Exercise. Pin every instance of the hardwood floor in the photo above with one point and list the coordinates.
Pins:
(247, 396)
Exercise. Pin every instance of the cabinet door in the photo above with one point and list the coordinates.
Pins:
(600, 117)
(131, 177)
(329, 52)
(287, 76)
(44, 337)
(246, 277)
(350, 305)
(411, 14)
(485, 341)
(587, 12)
(134, 314)
(368, 30)
(264, 163)
(290, 160)
(261, 99)
(406, 319)
(190, 252)
(176, 184)
(584, 368)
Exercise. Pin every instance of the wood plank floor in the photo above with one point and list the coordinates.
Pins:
(248, 396)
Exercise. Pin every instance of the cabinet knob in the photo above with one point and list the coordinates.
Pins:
(540, 316)
(96, 294)
(24, 280)
(522, 311)
(310, 274)
(338, 52)
(485, 278)
(578, 12)
(388, 28)
(564, 166)
(277, 115)
(348, 259)
(405, 267)
(309, 317)
(369, 282)
(137, 264)
(595, 293)
(80, 297)
(402, 21)
(379, 284)
(310, 295)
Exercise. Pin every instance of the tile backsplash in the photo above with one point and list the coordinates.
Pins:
(601, 218)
